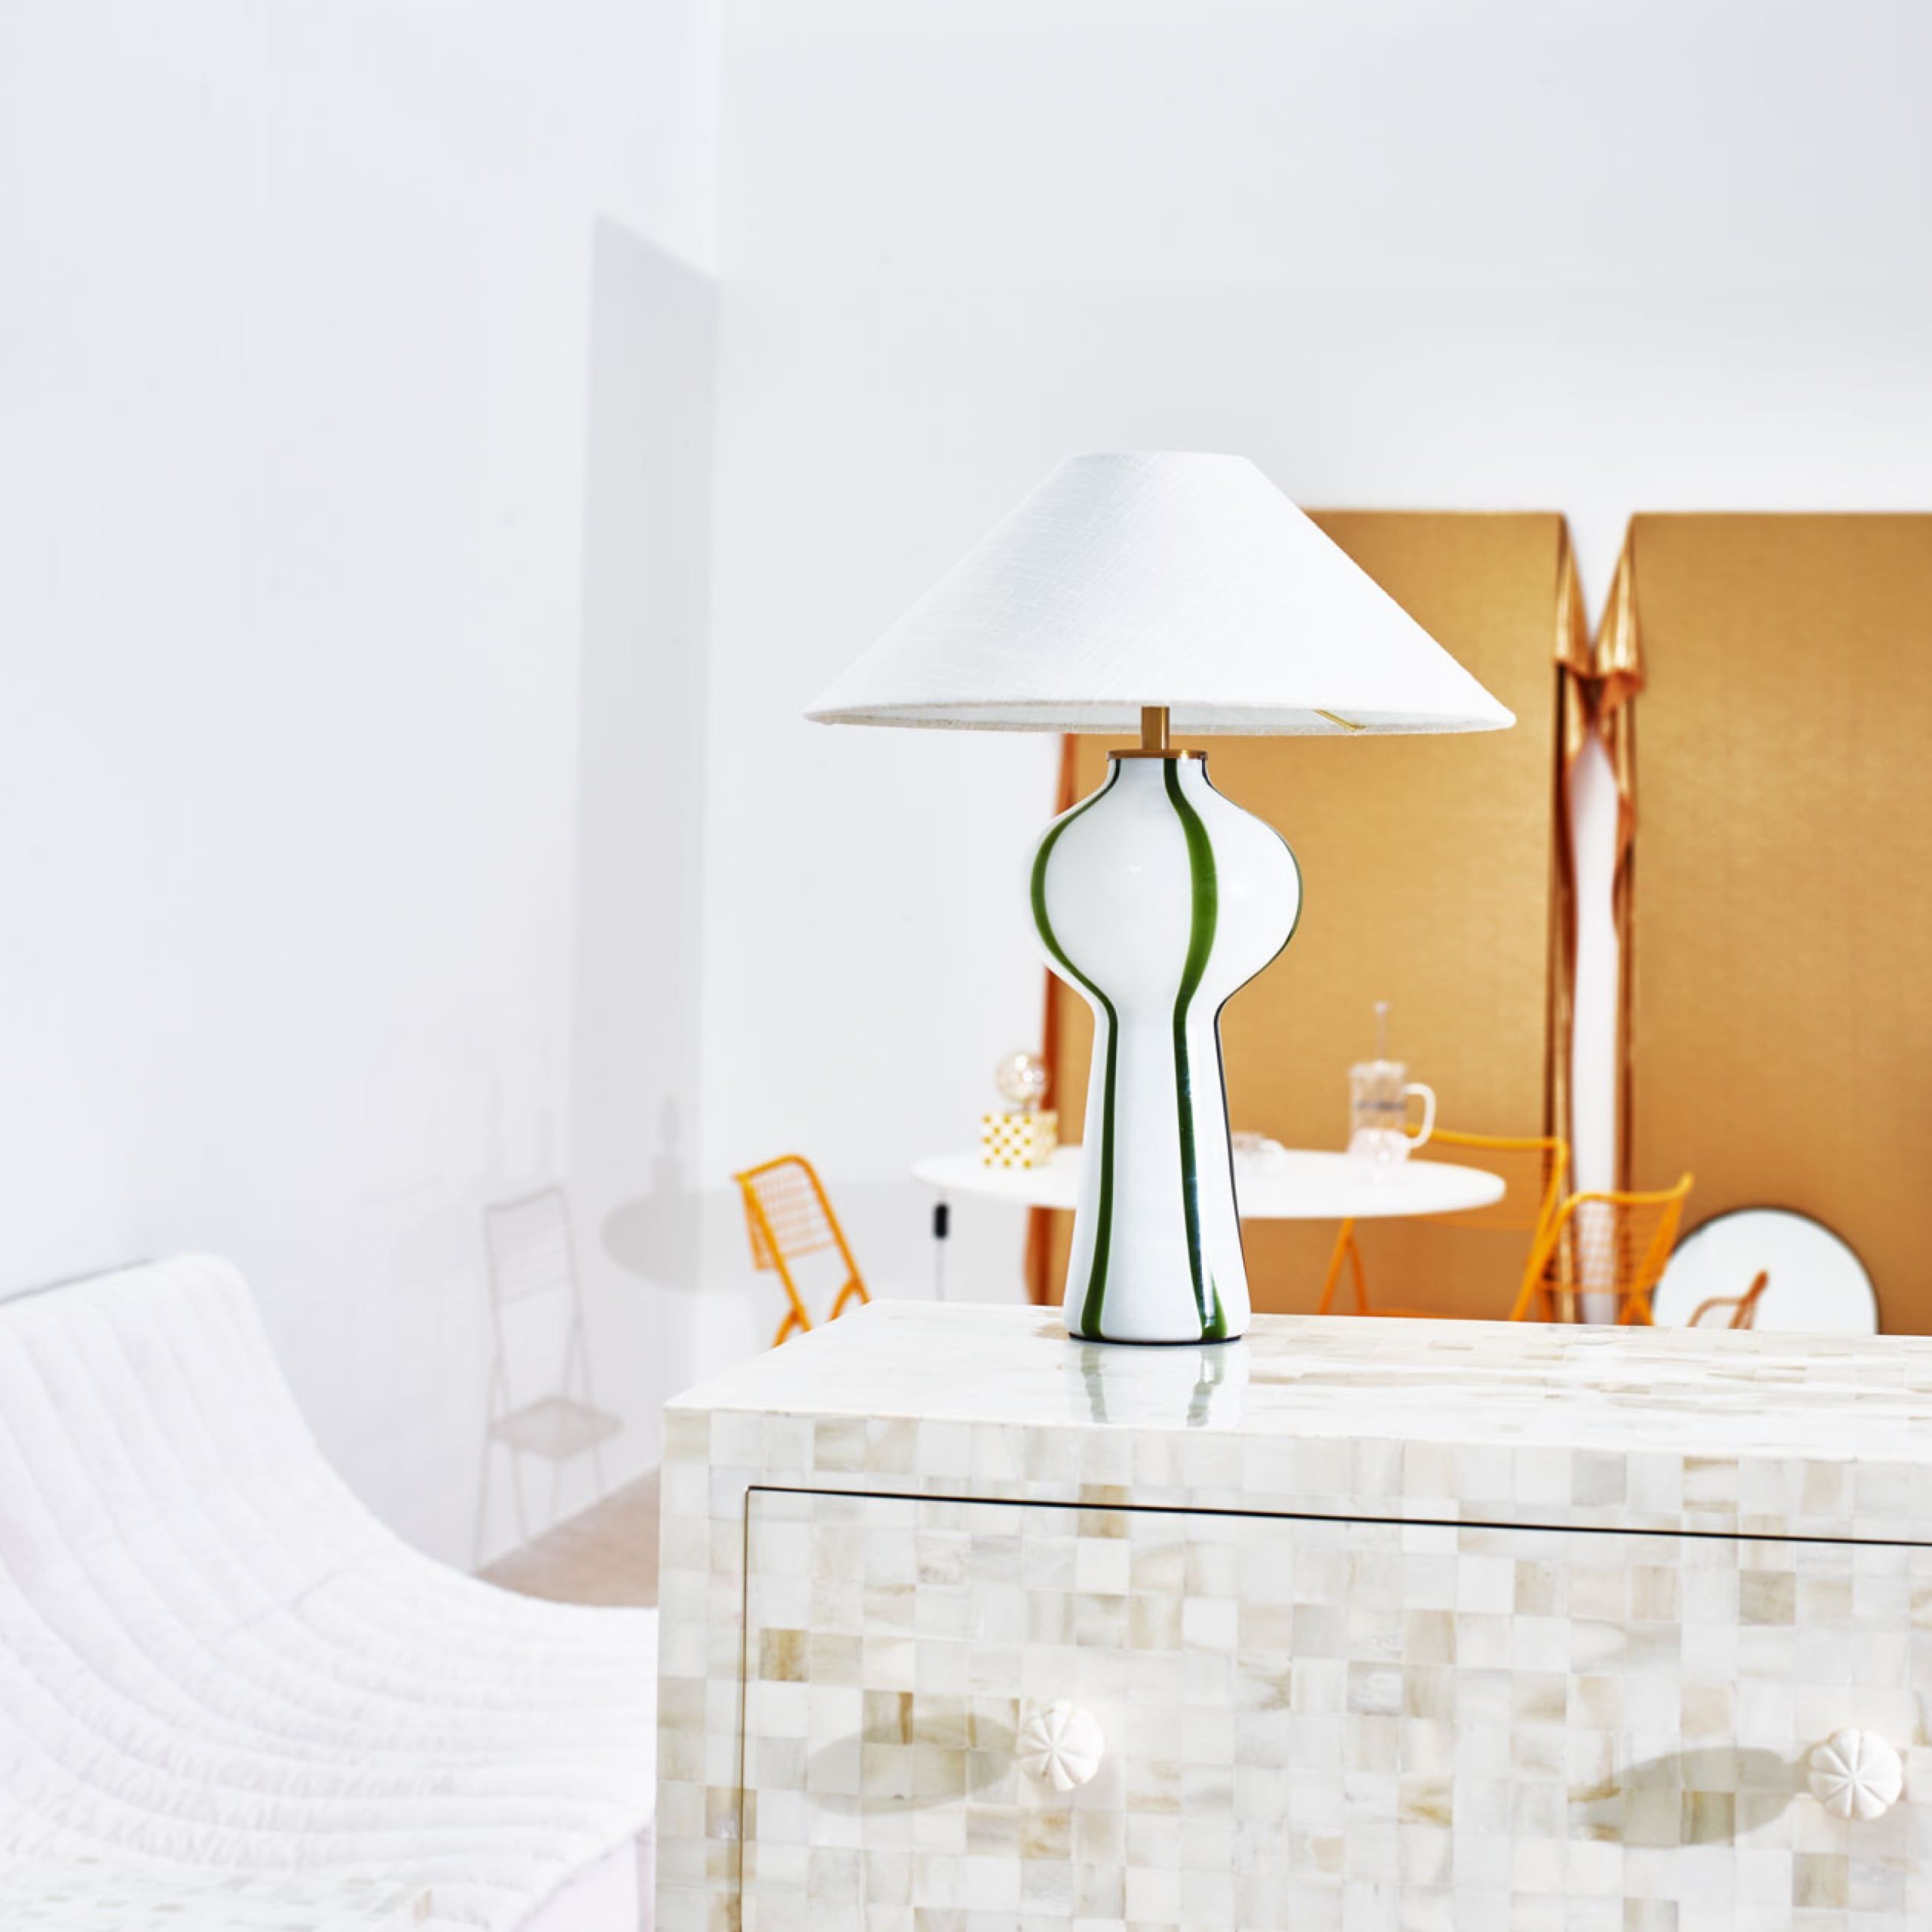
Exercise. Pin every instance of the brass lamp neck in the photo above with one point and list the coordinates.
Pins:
(1154, 739)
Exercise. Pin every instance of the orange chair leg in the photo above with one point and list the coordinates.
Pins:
(1355, 1268)
(1344, 1249)
(796, 1319)
(1636, 1312)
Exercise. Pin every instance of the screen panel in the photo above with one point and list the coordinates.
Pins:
(1779, 1037)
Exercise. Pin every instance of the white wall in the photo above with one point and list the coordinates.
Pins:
(308, 554)
(1502, 255)
(635, 1078)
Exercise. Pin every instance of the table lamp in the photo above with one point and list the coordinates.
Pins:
(1177, 594)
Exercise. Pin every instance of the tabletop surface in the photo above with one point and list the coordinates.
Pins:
(1299, 1184)
(1523, 1384)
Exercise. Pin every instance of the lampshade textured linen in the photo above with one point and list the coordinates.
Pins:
(1160, 578)
(1433, 878)
(1780, 1040)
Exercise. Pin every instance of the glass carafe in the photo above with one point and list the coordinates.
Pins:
(1379, 1093)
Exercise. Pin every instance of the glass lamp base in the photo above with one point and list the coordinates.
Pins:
(1156, 898)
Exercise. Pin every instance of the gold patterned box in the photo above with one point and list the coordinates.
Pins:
(1019, 1139)
(1353, 1626)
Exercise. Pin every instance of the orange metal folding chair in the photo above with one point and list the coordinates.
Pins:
(1533, 1169)
(1603, 1243)
(788, 1216)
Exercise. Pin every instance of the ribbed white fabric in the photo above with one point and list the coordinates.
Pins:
(211, 1655)
(1159, 577)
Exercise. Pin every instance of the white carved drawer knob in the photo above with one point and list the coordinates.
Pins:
(1061, 1745)
(1857, 1774)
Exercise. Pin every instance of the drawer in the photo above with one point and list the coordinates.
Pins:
(1295, 1721)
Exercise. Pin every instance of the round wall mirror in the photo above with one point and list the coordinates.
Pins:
(1815, 1283)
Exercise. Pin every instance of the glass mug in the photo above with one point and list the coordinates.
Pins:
(1378, 1111)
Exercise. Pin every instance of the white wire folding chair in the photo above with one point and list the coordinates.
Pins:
(540, 1402)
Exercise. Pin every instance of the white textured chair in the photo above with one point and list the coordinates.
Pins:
(213, 1656)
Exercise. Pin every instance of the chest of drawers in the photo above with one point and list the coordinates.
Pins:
(968, 1628)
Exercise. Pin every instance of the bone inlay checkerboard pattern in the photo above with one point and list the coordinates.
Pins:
(85, 1895)
(1346, 1672)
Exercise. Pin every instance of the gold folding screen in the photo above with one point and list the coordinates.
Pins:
(1779, 1030)
(1431, 877)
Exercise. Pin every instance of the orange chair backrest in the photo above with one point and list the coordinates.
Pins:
(1533, 1169)
(786, 1212)
(788, 1215)
(1743, 1307)
(1602, 1243)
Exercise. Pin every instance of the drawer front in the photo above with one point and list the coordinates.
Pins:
(1291, 1721)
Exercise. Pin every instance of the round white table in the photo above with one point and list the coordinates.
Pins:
(1301, 1184)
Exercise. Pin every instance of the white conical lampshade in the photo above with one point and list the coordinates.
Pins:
(1188, 581)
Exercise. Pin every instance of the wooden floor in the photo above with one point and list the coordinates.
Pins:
(606, 1555)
